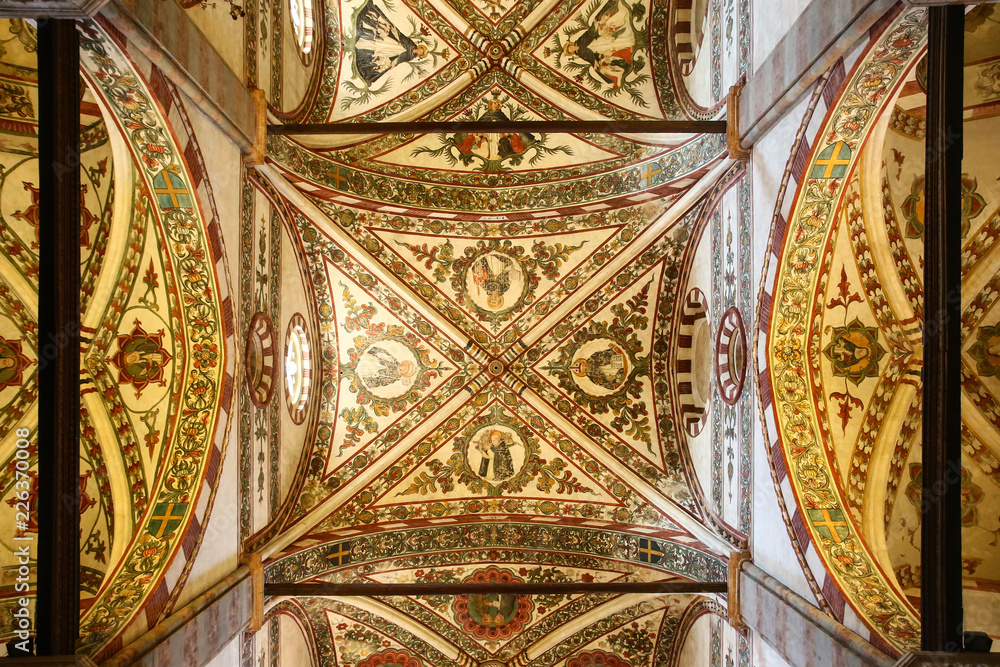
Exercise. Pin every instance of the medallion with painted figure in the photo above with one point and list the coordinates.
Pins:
(494, 279)
(601, 363)
(379, 47)
(492, 616)
(497, 455)
(142, 360)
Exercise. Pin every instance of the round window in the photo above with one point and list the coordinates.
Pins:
(298, 369)
(302, 23)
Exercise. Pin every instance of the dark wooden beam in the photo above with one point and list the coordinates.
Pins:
(530, 126)
(941, 538)
(378, 590)
(58, 607)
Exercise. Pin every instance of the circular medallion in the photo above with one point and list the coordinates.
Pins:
(496, 453)
(495, 367)
(600, 367)
(260, 360)
(492, 616)
(495, 282)
(388, 368)
(731, 356)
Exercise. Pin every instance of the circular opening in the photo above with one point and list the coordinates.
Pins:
(302, 23)
(293, 368)
(731, 356)
(298, 369)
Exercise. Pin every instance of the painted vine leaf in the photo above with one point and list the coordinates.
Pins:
(845, 297)
(848, 404)
(549, 258)
(549, 476)
(437, 258)
(359, 317)
(358, 423)
(426, 482)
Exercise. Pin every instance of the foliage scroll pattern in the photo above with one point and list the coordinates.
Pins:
(198, 319)
(854, 568)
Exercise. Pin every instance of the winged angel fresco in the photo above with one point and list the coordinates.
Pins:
(602, 46)
(492, 152)
(380, 48)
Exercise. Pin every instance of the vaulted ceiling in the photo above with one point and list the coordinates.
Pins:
(531, 346)
(455, 358)
(845, 351)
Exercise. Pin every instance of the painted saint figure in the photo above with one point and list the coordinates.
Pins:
(493, 609)
(492, 273)
(607, 44)
(495, 450)
(379, 368)
(605, 368)
(379, 45)
(12, 363)
(143, 358)
(494, 146)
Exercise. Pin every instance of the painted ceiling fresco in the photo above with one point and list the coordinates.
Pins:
(643, 631)
(845, 348)
(504, 629)
(463, 60)
(154, 349)
(514, 358)
(530, 348)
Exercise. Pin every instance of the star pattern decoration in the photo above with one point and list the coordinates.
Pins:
(13, 363)
(141, 359)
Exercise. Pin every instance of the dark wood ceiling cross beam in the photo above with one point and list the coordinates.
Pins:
(373, 590)
(941, 539)
(529, 126)
(58, 612)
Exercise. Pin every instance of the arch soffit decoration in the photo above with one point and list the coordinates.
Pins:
(863, 103)
(197, 441)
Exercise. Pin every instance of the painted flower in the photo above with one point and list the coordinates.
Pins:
(205, 355)
(129, 99)
(789, 351)
(802, 259)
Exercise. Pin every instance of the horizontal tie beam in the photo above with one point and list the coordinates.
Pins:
(379, 590)
(506, 127)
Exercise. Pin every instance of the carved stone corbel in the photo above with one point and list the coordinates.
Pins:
(736, 560)
(736, 149)
(256, 155)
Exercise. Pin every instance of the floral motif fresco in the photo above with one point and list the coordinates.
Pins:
(491, 351)
(489, 61)
(503, 627)
(152, 372)
(845, 343)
